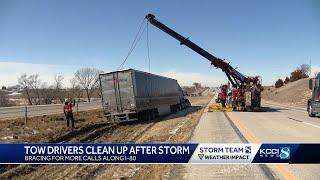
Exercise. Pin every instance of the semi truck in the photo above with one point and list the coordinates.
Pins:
(130, 95)
(250, 86)
(313, 107)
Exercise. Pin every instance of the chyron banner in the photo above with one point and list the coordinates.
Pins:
(159, 153)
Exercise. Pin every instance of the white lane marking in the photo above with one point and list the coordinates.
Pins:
(311, 124)
(285, 107)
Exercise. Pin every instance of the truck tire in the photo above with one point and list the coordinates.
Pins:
(310, 111)
(188, 103)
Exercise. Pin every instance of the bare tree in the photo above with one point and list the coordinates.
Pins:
(49, 93)
(305, 69)
(74, 91)
(45, 94)
(301, 72)
(25, 84)
(58, 86)
(31, 85)
(35, 83)
(58, 81)
(4, 101)
(87, 78)
(196, 85)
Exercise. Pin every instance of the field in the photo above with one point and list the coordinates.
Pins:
(91, 128)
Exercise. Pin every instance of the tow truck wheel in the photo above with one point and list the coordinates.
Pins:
(310, 111)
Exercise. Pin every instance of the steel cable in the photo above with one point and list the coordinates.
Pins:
(134, 43)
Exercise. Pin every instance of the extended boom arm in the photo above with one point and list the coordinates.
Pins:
(235, 77)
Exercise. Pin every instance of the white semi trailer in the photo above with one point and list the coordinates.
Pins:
(130, 95)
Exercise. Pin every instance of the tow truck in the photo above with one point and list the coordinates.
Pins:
(248, 87)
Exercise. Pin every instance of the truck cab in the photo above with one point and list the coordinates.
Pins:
(314, 102)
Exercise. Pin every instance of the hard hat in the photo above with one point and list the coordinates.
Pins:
(66, 100)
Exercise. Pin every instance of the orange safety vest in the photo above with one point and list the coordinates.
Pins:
(68, 107)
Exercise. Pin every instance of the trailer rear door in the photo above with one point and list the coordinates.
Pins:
(117, 91)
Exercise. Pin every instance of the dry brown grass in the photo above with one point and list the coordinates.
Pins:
(295, 93)
(175, 128)
(44, 128)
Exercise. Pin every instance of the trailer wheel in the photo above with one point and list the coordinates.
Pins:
(176, 108)
(140, 116)
(150, 115)
(156, 113)
(144, 115)
(172, 108)
(188, 104)
(153, 114)
(248, 109)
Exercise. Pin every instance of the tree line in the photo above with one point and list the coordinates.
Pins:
(84, 84)
(303, 71)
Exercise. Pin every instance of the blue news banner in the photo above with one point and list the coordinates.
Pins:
(158, 153)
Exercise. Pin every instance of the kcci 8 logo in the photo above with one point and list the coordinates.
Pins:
(282, 153)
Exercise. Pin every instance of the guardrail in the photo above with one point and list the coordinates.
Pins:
(39, 110)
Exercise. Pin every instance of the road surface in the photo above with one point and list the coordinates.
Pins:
(276, 124)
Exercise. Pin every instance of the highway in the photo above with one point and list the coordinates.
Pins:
(276, 124)
(39, 110)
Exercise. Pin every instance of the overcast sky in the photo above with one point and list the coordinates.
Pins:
(267, 38)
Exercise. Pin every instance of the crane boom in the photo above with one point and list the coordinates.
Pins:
(235, 77)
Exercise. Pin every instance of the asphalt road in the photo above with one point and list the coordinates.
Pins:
(276, 124)
(39, 110)
(282, 125)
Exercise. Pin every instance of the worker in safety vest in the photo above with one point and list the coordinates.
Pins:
(241, 93)
(235, 95)
(223, 95)
(67, 109)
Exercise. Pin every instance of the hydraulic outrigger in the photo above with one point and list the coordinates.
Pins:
(248, 88)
